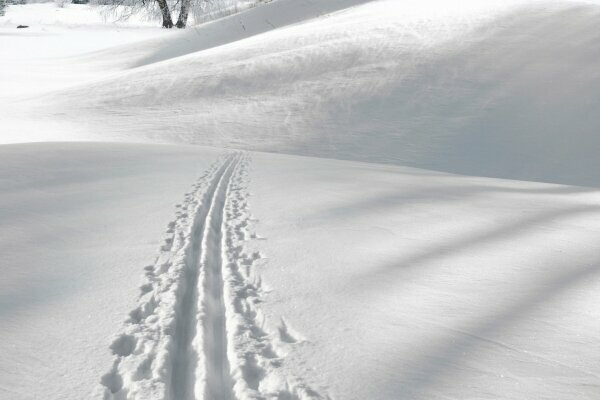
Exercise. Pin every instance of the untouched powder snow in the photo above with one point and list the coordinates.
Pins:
(349, 235)
(48, 56)
(411, 284)
(496, 89)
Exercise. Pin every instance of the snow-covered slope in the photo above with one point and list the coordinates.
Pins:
(152, 271)
(417, 285)
(504, 91)
(338, 279)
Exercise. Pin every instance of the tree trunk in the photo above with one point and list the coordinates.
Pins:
(166, 14)
(183, 14)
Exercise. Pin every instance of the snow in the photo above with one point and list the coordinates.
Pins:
(50, 15)
(422, 285)
(372, 82)
(406, 281)
(335, 199)
(79, 223)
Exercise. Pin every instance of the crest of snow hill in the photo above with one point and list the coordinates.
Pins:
(511, 93)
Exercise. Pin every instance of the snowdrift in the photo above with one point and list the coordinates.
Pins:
(509, 92)
(125, 266)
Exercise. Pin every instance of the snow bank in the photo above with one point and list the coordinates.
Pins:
(503, 91)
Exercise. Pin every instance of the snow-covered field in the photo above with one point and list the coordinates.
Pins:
(342, 199)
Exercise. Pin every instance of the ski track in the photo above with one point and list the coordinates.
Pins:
(198, 331)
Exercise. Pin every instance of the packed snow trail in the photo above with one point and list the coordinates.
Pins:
(197, 332)
(184, 362)
(217, 380)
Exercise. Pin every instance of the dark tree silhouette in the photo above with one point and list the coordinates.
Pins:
(167, 22)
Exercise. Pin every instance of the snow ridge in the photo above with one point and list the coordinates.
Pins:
(197, 332)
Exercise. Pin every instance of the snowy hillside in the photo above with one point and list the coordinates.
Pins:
(507, 91)
(333, 199)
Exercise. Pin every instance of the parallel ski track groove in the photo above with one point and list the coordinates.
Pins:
(197, 332)
(218, 382)
(187, 354)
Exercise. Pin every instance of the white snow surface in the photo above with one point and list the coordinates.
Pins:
(501, 89)
(370, 281)
(79, 223)
(335, 199)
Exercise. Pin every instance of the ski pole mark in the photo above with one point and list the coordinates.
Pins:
(255, 355)
(198, 332)
(159, 363)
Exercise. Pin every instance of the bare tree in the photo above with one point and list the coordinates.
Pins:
(121, 10)
(201, 10)
(183, 13)
(167, 22)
